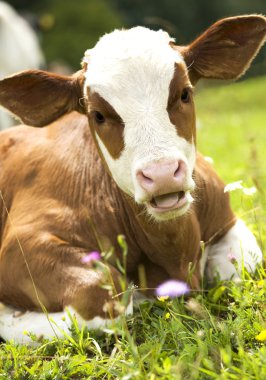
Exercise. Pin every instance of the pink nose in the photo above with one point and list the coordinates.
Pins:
(162, 177)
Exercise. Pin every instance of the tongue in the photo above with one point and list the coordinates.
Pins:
(167, 200)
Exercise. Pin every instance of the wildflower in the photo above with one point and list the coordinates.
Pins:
(91, 257)
(172, 288)
(163, 298)
(260, 283)
(209, 159)
(262, 336)
(232, 258)
(167, 316)
(196, 308)
(249, 190)
(200, 333)
(233, 186)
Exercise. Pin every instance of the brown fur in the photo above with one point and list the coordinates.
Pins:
(181, 114)
(112, 130)
(48, 95)
(52, 200)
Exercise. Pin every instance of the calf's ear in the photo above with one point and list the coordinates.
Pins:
(38, 97)
(226, 49)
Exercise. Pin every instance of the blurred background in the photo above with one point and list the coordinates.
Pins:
(54, 34)
(66, 28)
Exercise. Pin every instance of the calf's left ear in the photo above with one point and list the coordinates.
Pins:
(38, 97)
(226, 49)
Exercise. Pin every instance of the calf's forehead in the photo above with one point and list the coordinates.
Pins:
(128, 66)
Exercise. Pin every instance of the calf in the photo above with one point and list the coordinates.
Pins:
(116, 155)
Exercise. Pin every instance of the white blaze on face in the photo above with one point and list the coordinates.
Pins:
(132, 70)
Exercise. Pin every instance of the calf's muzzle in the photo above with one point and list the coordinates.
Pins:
(161, 178)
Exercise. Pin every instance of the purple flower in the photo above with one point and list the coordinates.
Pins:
(172, 288)
(232, 258)
(91, 257)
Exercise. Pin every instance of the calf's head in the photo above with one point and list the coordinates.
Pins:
(136, 87)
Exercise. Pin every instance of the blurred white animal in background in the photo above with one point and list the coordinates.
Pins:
(19, 50)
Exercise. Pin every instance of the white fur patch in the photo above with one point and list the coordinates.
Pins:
(16, 326)
(239, 245)
(132, 70)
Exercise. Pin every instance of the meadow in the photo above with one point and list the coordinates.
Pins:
(217, 333)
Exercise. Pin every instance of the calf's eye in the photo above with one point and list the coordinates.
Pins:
(99, 118)
(185, 96)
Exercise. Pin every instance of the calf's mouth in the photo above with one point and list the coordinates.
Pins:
(170, 201)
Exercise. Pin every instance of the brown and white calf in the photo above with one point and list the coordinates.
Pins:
(116, 155)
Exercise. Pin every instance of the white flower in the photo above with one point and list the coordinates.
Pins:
(238, 185)
(249, 190)
(233, 186)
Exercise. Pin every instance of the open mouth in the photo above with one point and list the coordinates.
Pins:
(169, 202)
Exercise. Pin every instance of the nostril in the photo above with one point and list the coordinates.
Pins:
(177, 171)
(143, 179)
(147, 179)
(180, 169)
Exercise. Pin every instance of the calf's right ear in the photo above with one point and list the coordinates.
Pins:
(38, 97)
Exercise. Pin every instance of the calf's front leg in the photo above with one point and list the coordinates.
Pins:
(238, 248)
(87, 291)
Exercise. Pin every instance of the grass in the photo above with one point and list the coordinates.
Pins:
(232, 132)
(219, 334)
